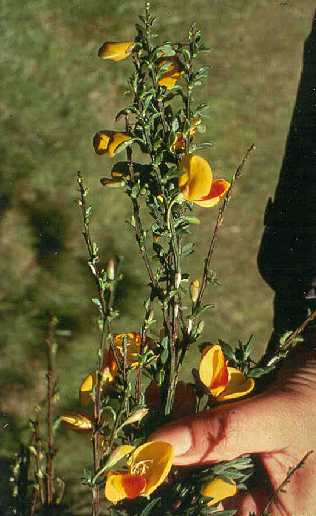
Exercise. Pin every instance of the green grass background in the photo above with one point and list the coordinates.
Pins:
(55, 94)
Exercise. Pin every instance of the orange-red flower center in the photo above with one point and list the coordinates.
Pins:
(133, 485)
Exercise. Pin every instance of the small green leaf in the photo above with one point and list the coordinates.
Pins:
(192, 220)
(227, 350)
(152, 504)
(123, 146)
(135, 191)
(188, 249)
(257, 372)
(96, 302)
(164, 356)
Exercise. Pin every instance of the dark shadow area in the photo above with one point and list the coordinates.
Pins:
(287, 256)
(49, 224)
(5, 488)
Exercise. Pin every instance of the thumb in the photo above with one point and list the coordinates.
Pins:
(255, 425)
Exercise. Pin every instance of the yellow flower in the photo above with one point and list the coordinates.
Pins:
(88, 383)
(107, 142)
(173, 69)
(218, 489)
(148, 467)
(223, 382)
(116, 51)
(196, 182)
(77, 421)
(133, 345)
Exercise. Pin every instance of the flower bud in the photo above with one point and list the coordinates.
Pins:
(195, 290)
(111, 183)
(118, 454)
(108, 142)
(116, 51)
(136, 416)
(77, 421)
(110, 269)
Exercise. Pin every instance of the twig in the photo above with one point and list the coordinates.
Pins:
(51, 384)
(118, 416)
(219, 222)
(289, 343)
(287, 479)
(171, 316)
(136, 211)
(106, 309)
(139, 232)
(299, 330)
(97, 274)
(38, 448)
(34, 502)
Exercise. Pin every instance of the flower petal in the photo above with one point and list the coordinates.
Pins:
(184, 183)
(101, 141)
(173, 70)
(219, 490)
(114, 490)
(86, 388)
(218, 190)
(116, 51)
(213, 370)
(157, 457)
(196, 179)
(107, 142)
(133, 344)
(238, 385)
(115, 141)
(169, 80)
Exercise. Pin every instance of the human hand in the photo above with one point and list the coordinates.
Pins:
(277, 426)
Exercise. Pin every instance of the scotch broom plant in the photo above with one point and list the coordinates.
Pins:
(136, 384)
(158, 163)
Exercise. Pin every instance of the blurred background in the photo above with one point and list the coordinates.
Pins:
(55, 94)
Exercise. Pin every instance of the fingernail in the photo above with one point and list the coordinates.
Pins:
(179, 437)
